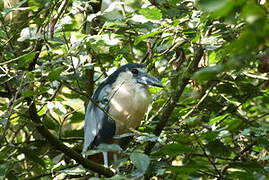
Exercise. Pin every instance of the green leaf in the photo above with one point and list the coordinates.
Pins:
(227, 88)
(73, 133)
(77, 117)
(213, 5)
(104, 148)
(26, 59)
(192, 121)
(217, 119)
(145, 36)
(183, 169)
(31, 155)
(151, 13)
(109, 148)
(233, 124)
(252, 12)
(4, 167)
(55, 73)
(51, 123)
(241, 175)
(208, 73)
(218, 148)
(190, 167)
(219, 8)
(42, 111)
(249, 166)
(210, 135)
(173, 149)
(28, 93)
(11, 175)
(141, 162)
(124, 135)
(146, 138)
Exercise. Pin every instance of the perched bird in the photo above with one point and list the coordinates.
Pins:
(119, 103)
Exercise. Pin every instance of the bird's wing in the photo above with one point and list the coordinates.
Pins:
(95, 115)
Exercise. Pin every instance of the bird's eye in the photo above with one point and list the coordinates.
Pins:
(134, 71)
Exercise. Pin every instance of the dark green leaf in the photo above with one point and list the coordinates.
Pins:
(248, 166)
(173, 149)
(28, 93)
(210, 135)
(73, 133)
(77, 117)
(51, 123)
(190, 167)
(26, 59)
(31, 155)
(241, 175)
(4, 166)
(227, 88)
(217, 148)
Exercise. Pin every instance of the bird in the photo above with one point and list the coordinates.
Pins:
(118, 105)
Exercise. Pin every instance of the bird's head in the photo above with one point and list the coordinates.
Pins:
(138, 74)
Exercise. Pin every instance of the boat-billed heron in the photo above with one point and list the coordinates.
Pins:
(119, 104)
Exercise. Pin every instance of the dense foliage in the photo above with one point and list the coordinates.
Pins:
(211, 120)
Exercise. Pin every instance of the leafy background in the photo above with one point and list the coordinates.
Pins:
(209, 122)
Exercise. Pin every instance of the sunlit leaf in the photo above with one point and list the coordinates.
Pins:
(151, 13)
(218, 119)
(55, 73)
(29, 33)
(145, 36)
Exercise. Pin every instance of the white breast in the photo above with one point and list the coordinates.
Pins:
(128, 105)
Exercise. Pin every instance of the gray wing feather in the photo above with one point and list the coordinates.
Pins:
(94, 116)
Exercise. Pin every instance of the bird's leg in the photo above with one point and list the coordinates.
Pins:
(115, 157)
(105, 157)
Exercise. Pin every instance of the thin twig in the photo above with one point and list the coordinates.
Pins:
(168, 110)
(209, 158)
(61, 146)
(11, 106)
(198, 104)
(72, 62)
(256, 76)
(247, 148)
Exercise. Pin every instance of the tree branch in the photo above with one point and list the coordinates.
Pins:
(5, 94)
(63, 148)
(182, 82)
(246, 149)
